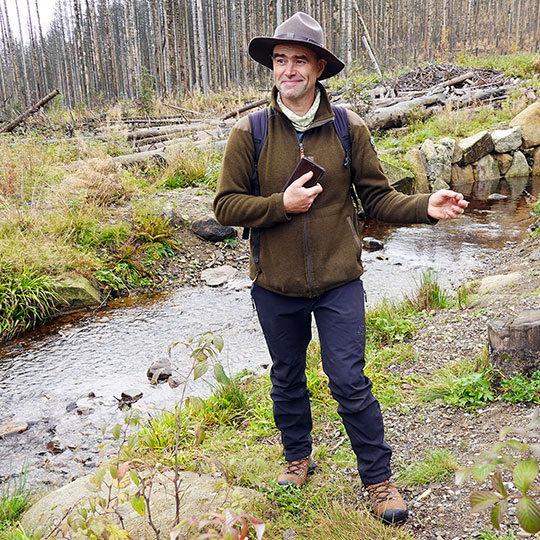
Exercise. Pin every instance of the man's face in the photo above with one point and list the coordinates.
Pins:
(296, 70)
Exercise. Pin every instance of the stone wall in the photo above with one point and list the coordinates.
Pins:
(512, 153)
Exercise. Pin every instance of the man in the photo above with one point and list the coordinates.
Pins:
(307, 256)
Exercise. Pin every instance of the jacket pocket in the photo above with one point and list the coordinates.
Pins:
(355, 236)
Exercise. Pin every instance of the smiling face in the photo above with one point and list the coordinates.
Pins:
(296, 70)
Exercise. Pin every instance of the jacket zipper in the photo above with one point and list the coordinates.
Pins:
(306, 237)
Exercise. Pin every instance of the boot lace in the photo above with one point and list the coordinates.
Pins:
(297, 466)
(379, 493)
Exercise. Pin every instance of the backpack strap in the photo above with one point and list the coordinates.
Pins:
(259, 130)
(341, 125)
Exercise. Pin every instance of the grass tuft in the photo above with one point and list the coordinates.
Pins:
(14, 500)
(26, 300)
(463, 384)
(429, 294)
(192, 167)
(437, 465)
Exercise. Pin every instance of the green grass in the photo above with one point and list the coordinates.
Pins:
(389, 323)
(464, 384)
(14, 499)
(429, 294)
(519, 65)
(26, 300)
(192, 167)
(437, 465)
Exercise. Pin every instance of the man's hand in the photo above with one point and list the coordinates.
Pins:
(446, 204)
(298, 199)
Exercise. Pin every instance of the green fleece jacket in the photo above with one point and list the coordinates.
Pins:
(307, 254)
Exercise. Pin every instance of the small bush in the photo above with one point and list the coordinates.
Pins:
(389, 323)
(521, 388)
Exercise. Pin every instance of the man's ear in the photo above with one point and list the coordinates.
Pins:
(322, 65)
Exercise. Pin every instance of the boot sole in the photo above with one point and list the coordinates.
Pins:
(395, 517)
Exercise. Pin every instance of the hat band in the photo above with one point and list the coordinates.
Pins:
(298, 37)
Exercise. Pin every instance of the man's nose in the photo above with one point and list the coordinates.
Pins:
(290, 69)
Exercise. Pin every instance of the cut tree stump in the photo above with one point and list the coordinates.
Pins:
(514, 344)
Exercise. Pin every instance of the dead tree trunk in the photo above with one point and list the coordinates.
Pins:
(22, 117)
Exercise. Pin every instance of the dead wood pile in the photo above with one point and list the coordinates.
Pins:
(426, 77)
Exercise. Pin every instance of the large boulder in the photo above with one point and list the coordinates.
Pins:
(452, 147)
(536, 162)
(462, 175)
(529, 121)
(76, 292)
(214, 277)
(486, 168)
(506, 140)
(505, 162)
(419, 167)
(519, 167)
(209, 229)
(439, 165)
(400, 179)
(475, 147)
(498, 282)
(199, 495)
(514, 344)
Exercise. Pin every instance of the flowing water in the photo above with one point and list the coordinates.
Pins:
(62, 380)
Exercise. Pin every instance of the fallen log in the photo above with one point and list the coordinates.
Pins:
(140, 157)
(22, 117)
(176, 108)
(396, 115)
(166, 130)
(245, 108)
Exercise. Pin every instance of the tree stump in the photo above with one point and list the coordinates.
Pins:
(514, 344)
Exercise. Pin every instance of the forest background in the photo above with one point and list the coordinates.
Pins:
(100, 51)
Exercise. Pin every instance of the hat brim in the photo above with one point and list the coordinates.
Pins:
(261, 48)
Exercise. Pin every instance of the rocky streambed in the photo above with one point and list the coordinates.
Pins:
(59, 384)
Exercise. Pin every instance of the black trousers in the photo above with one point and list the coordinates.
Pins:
(339, 315)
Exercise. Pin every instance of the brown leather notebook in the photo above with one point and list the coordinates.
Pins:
(305, 165)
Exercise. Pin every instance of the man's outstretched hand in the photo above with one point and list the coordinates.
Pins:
(446, 204)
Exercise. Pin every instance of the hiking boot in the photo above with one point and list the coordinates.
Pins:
(388, 504)
(296, 472)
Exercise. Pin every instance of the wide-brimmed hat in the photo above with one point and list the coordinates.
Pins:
(301, 29)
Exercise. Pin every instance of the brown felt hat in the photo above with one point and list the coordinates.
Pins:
(301, 29)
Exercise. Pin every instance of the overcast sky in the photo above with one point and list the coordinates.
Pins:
(46, 12)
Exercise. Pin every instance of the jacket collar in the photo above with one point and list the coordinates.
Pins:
(324, 114)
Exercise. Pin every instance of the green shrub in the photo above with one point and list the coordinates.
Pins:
(463, 384)
(389, 323)
(521, 388)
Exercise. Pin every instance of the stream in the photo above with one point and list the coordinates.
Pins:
(63, 379)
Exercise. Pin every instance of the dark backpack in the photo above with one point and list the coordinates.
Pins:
(259, 131)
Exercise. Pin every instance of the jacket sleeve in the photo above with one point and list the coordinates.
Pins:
(234, 203)
(379, 200)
